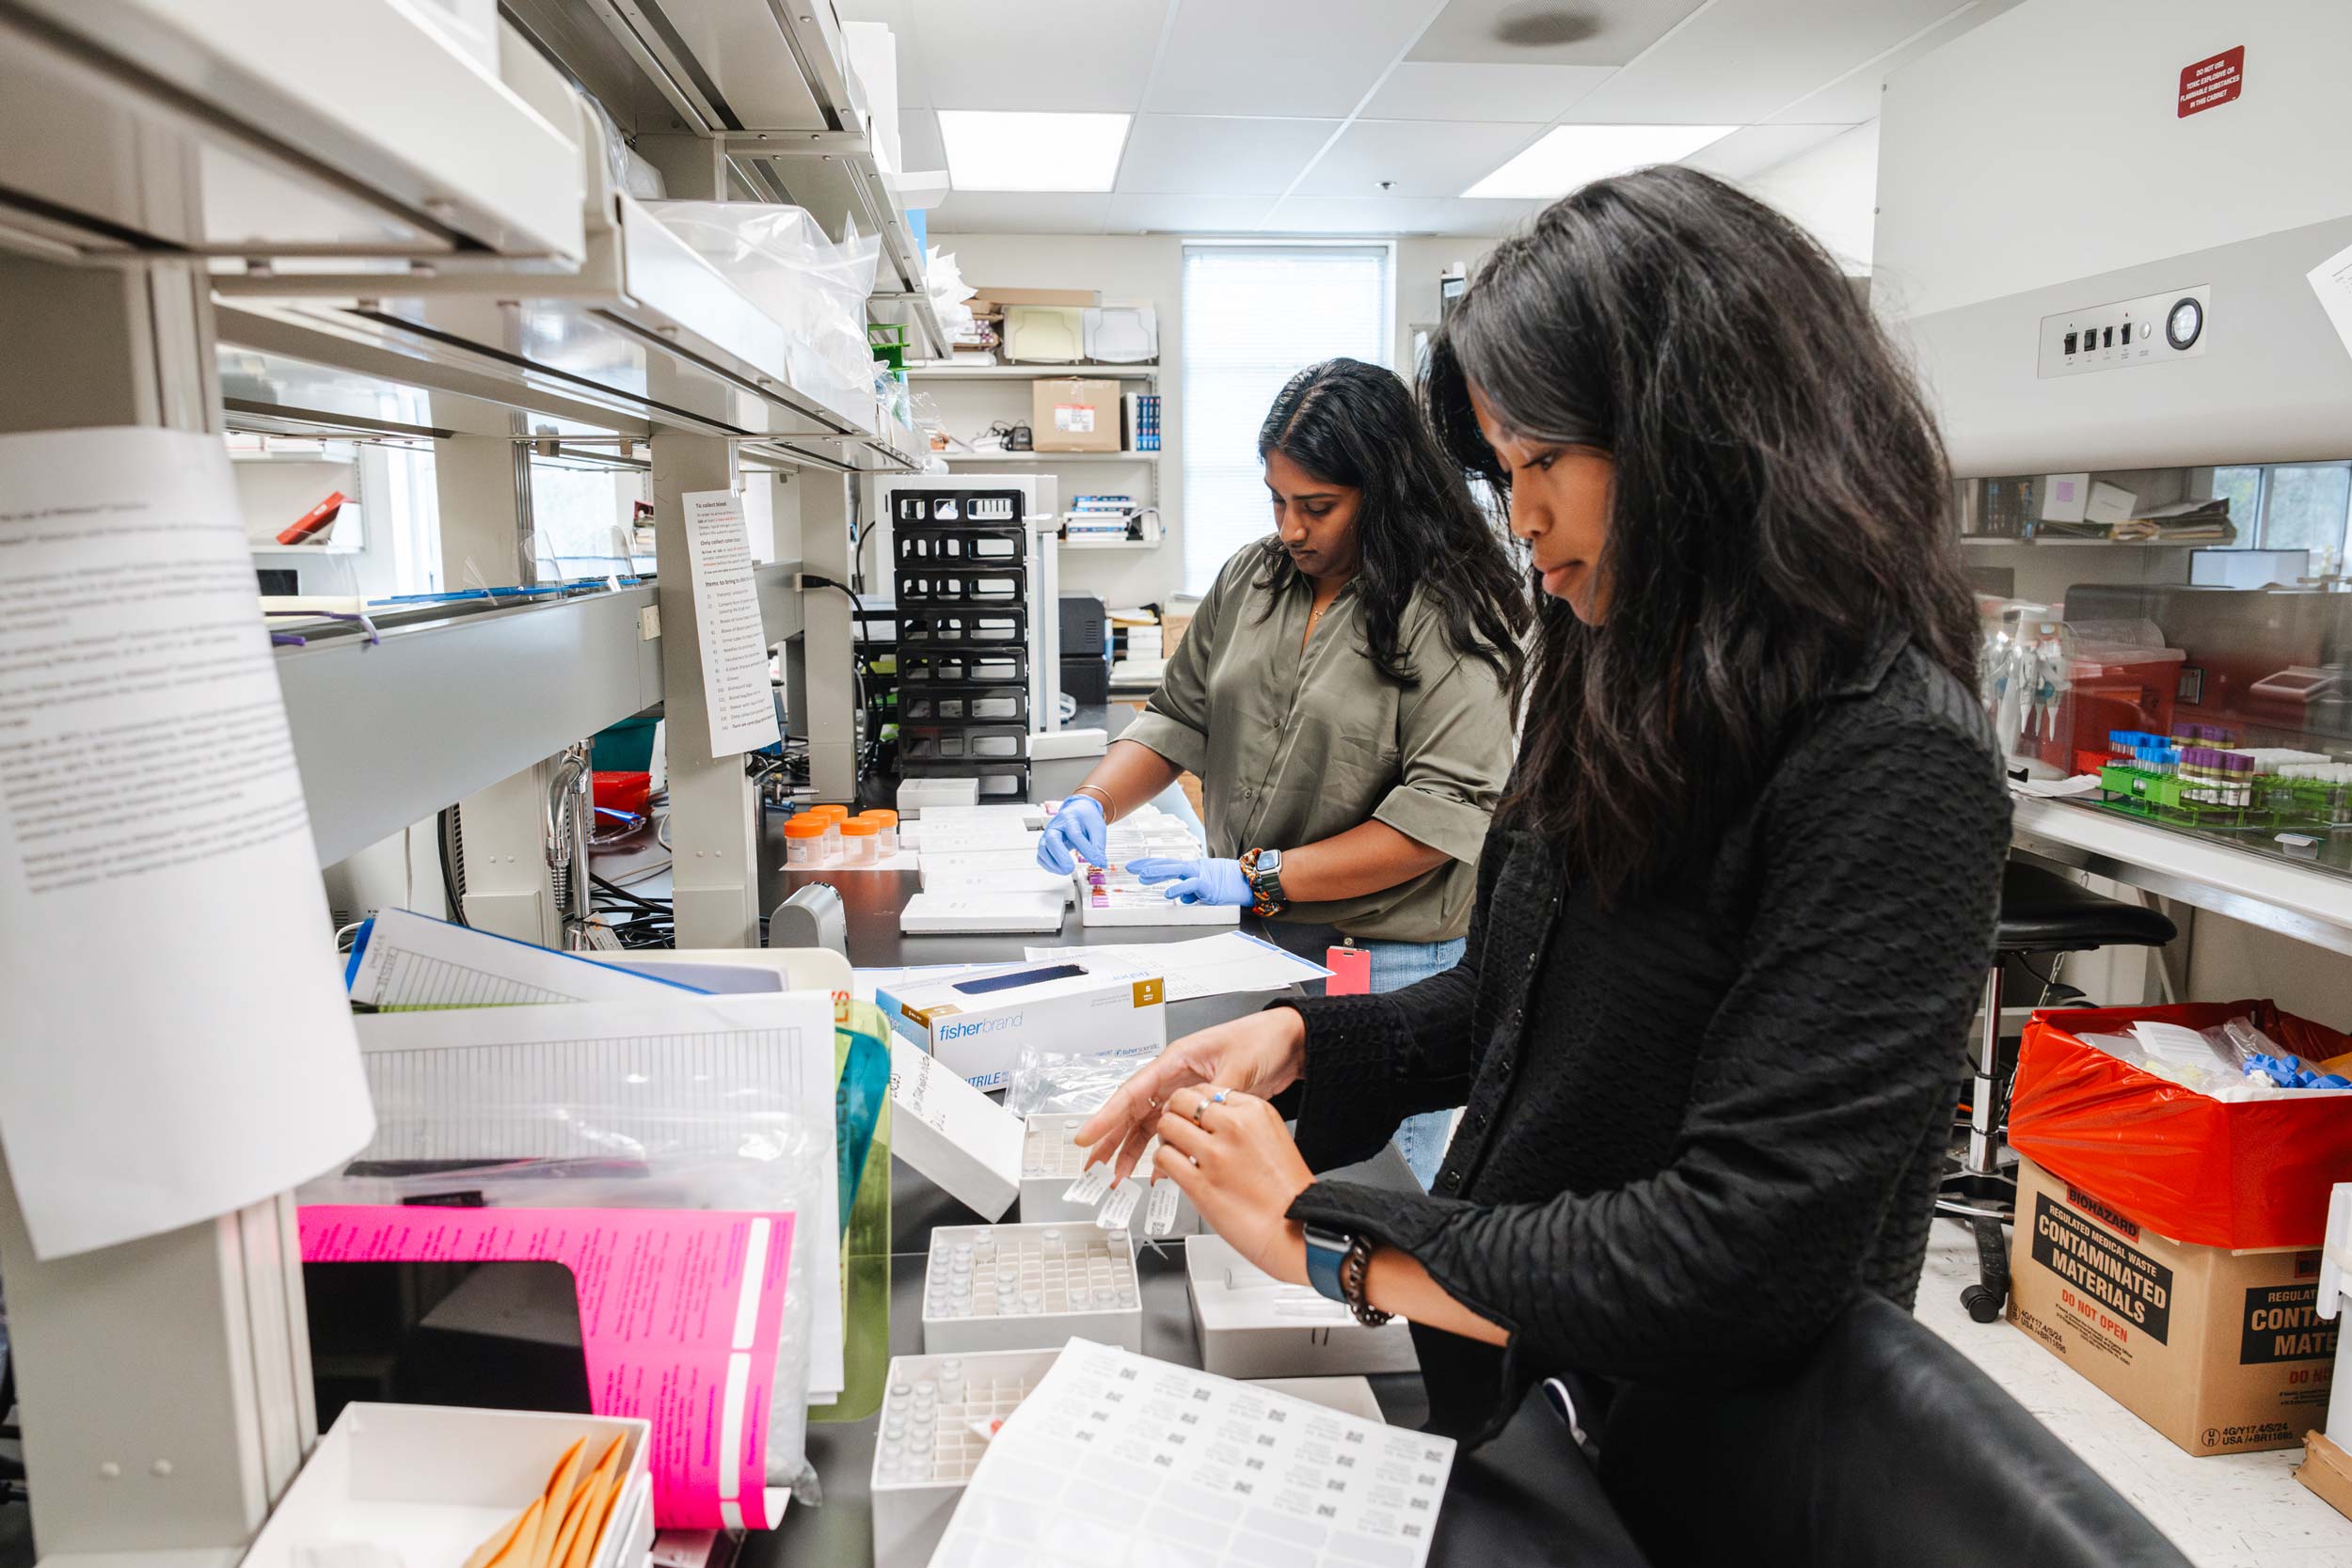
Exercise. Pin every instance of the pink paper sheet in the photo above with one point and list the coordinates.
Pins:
(679, 1312)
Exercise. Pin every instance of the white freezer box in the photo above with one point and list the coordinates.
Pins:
(924, 1449)
(1029, 1287)
(982, 914)
(1050, 1163)
(431, 1483)
(1253, 1325)
(919, 795)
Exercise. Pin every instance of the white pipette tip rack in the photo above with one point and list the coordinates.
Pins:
(1029, 1287)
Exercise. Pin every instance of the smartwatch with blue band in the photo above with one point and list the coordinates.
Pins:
(1326, 1251)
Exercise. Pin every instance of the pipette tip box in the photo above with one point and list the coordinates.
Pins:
(926, 1448)
(1253, 1325)
(1050, 1163)
(1029, 1287)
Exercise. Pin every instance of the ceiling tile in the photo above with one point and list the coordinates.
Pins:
(1756, 147)
(1297, 58)
(1019, 212)
(1218, 155)
(1743, 60)
(1045, 55)
(1431, 89)
(1855, 96)
(1424, 160)
(1370, 215)
(1461, 216)
(1186, 214)
(1467, 30)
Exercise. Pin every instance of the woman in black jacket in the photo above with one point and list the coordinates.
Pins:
(1738, 903)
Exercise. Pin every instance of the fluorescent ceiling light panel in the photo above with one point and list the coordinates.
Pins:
(989, 151)
(1572, 155)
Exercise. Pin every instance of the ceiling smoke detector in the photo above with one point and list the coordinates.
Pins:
(1543, 26)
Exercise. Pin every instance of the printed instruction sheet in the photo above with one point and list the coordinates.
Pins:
(1118, 1458)
(734, 645)
(177, 1045)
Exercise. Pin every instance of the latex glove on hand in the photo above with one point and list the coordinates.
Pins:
(1076, 829)
(1198, 881)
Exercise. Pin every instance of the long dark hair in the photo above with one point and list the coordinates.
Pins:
(1350, 423)
(1780, 506)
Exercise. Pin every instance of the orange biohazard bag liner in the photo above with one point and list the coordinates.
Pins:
(2229, 1172)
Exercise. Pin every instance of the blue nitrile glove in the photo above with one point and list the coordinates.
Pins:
(1077, 827)
(1198, 881)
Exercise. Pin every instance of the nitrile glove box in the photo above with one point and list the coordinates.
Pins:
(978, 1024)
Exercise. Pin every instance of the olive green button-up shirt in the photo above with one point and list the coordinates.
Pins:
(1292, 746)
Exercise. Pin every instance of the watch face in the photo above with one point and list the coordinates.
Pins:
(1270, 860)
(2186, 320)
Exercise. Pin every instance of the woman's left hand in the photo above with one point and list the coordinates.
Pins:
(1237, 1163)
(1196, 881)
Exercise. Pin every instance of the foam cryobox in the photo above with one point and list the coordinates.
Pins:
(1029, 1287)
(1253, 1325)
(926, 1449)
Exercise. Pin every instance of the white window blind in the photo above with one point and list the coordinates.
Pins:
(1253, 317)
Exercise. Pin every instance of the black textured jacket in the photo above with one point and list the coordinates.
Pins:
(1698, 1120)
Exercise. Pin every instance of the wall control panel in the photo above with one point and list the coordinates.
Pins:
(2127, 333)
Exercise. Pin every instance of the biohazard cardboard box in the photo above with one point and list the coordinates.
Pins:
(2220, 1350)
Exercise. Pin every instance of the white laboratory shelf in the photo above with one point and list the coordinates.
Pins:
(959, 458)
(1031, 373)
(1085, 547)
(248, 141)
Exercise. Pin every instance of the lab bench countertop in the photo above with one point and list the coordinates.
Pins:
(1529, 1496)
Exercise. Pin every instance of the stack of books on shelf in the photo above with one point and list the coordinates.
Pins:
(1142, 414)
(1098, 519)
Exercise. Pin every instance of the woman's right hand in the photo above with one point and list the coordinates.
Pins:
(1076, 827)
(1263, 1054)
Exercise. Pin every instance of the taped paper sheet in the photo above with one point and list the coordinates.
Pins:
(1148, 1461)
(177, 1044)
(2331, 281)
(712, 1282)
(495, 1071)
(742, 711)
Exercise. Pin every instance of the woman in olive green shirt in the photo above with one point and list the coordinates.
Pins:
(1345, 696)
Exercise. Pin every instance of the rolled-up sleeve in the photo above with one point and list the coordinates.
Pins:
(1453, 745)
(1175, 720)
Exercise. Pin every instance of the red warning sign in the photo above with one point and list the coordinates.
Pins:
(2211, 83)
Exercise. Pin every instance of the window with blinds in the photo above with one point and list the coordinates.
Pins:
(1253, 317)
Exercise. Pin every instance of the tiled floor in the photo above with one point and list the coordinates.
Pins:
(2245, 1510)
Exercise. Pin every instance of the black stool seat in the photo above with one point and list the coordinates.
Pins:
(2044, 912)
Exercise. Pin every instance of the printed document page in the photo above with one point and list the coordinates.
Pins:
(682, 1073)
(1148, 1461)
(403, 960)
(177, 1043)
(726, 624)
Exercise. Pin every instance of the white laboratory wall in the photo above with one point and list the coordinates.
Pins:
(1832, 191)
(1137, 267)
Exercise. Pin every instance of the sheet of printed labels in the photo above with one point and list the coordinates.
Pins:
(1115, 1458)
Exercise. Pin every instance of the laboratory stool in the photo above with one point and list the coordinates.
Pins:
(2042, 912)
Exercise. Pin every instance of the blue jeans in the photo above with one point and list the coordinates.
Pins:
(1422, 1138)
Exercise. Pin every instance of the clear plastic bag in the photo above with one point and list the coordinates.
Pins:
(814, 288)
(1044, 1083)
(738, 1156)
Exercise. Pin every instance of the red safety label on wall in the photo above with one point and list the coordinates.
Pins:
(2211, 83)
